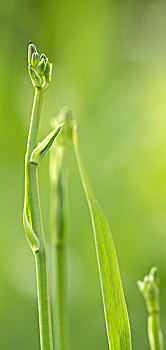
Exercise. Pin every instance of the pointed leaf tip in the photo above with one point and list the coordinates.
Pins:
(42, 147)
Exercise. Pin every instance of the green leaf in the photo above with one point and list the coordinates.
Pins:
(42, 148)
(116, 316)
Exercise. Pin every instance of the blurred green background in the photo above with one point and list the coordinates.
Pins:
(110, 68)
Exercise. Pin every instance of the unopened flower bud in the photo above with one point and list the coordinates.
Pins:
(35, 59)
(43, 56)
(48, 72)
(41, 66)
(150, 289)
(31, 50)
(40, 69)
(66, 134)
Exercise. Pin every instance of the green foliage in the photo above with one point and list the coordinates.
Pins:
(111, 72)
(117, 322)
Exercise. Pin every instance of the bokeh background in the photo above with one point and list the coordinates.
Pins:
(110, 68)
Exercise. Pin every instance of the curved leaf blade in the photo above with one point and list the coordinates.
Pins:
(115, 310)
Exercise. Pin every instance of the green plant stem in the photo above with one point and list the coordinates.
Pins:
(41, 255)
(60, 299)
(58, 238)
(154, 332)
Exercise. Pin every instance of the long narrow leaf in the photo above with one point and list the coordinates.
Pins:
(116, 316)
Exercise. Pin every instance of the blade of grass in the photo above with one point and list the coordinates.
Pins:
(115, 310)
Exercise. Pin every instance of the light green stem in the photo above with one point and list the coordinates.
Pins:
(154, 332)
(41, 255)
(60, 302)
(58, 234)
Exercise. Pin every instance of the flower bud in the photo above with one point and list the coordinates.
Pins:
(31, 50)
(35, 59)
(41, 66)
(43, 56)
(66, 134)
(40, 69)
(150, 289)
(48, 72)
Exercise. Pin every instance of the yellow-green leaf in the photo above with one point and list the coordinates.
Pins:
(115, 310)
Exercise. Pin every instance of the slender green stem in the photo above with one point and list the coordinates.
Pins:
(34, 203)
(58, 221)
(44, 302)
(58, 227)
(154, 332)
(60, 297)
(58, 233)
